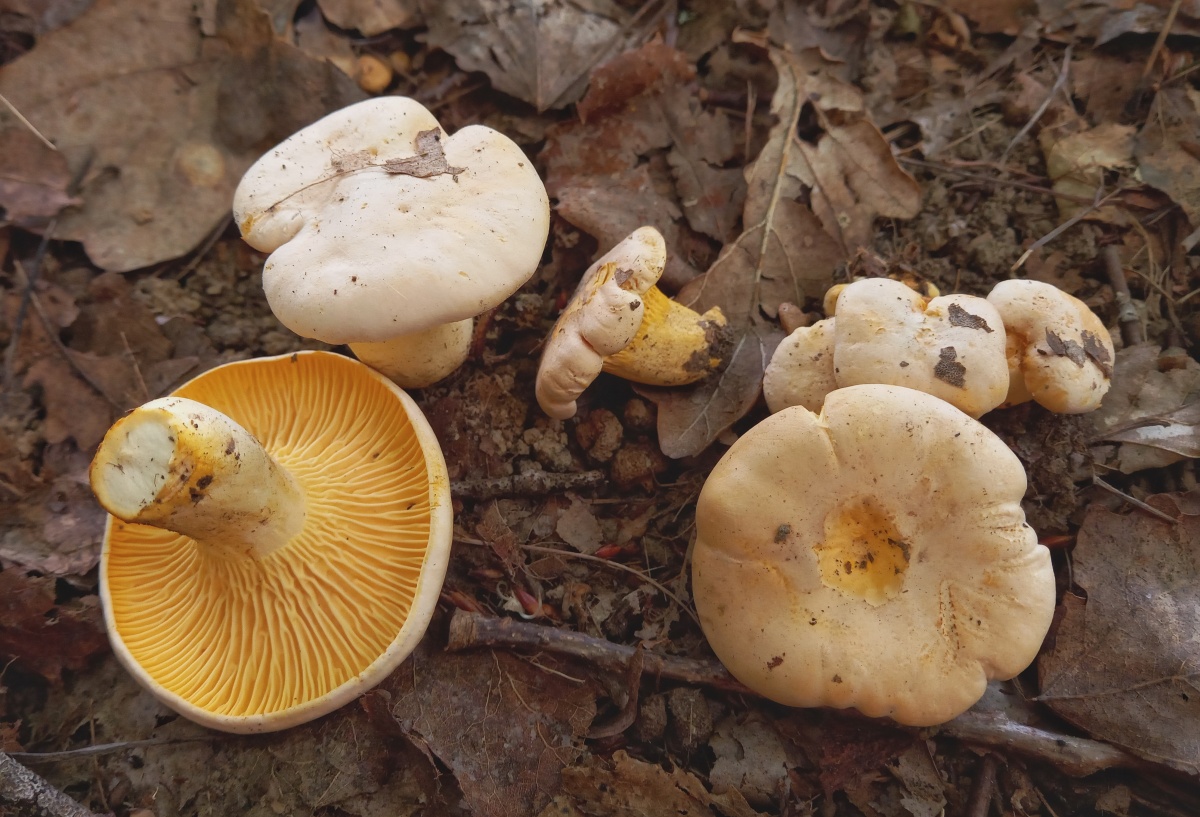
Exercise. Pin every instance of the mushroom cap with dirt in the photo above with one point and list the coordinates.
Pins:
(873, 556)
(391, 236)
(1059, 352)
(619, 322)
(279, 533)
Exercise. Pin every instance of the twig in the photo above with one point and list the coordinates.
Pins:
(983, 789)
(25, 794)
(1150, 509)
(203, 250)
(1139, 90)
(1075, 756)
(21, 117)
(102, 749)
(1059, 82)
(937, 167)
(1127, 316)
(471, 630)
(1096, 204)
(538, 483)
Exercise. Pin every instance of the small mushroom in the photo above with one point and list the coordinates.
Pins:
(619, 322)
(1059, 353)
(801, 369)
(874, 556)
(390, 236)
(951, 346)
(279, 533)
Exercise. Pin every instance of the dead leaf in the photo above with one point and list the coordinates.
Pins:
(162, 117)
(372, 17)
(628, 787)
(541, 51)
(315, 38)
(46, 15)
(1123, 662)
(648, 154)
(1076, 162)
(33, 178)
(1168, 149)
(43, 636)
(750, 757)
(786, 251)
(995, 16)
(1177, 431)
(578, 527)
(924, 791)
(504, 728)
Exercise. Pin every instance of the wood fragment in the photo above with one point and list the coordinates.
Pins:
(983, 789)
(25, 794)
(537, 483)
(1131, 326)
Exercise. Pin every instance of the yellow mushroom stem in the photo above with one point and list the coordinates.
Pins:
(182, 466)
(416, 360)
(673, 346)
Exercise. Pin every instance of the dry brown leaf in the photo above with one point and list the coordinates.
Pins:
(578, 527)
(540, 51)
(43, 636)
(786, 252)
(628, 787)
(1168, 149)
(1123, 663)
(372, 17)
(503, 727)
(162, 117)
(648, 154)
(33, 178)
(315, 38)
(995, 16)
(46, 15)
(750, 756)
(1077, 162)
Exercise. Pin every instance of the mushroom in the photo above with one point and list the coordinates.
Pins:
(1059, 352)
(951, 346)
(874, 556)
(390, 236)
(619, 322)
(800, 372)
(279, 533)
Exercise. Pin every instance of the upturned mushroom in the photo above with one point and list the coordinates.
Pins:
(279, 533)
(951, 346)
(391, 236)
(619, 322)
(874, 556)
(1059, 352)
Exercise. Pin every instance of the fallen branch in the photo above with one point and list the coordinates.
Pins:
(538, 483)
(25, 794)
(1127, 316)
(1074, 756)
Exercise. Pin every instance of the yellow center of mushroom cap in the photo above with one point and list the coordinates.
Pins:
(862, 554)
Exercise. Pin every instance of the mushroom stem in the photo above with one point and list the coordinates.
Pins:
(180, 465)
(416, 360)
(673, 346)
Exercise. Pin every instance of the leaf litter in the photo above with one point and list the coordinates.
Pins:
(675, 132)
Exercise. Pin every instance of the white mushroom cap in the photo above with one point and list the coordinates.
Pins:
(361, 253)
(1059, 353)
(951, 346)
(801, 369)
(875, 556)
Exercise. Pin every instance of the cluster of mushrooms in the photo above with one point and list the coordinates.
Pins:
(872, 555)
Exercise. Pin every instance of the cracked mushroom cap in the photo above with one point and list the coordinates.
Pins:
(258, 625)
(873, 556)
(1059, 353)
(951, 346)
(379, 224)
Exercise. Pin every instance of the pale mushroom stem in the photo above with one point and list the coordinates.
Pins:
(674, 345)
(421, 358)
(180, 465)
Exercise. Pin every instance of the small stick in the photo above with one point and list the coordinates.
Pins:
(984, 788)
(1127, 316)
(1075, 756)
(1096, 204)
(937, 167)
(1150, 509)
(538, 483)
(1139, 90)
(21, 118)
(1059, 82)
(471, 630)
(25, 794)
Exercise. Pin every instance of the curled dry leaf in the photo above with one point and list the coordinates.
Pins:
(539, 51)
(1168, 149)
(787, 251)
(1124, 661)
(372, 17)
(162, 118)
